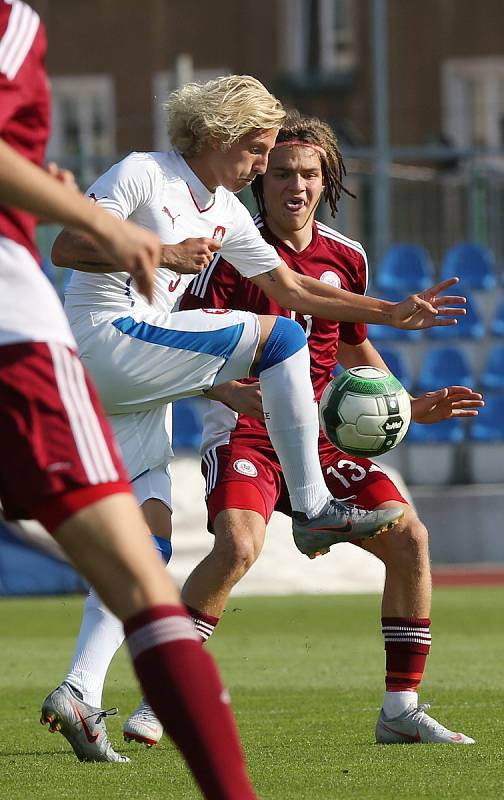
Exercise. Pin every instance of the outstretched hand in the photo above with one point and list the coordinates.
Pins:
(452, 401)
(429, 309)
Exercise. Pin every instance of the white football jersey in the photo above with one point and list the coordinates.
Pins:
(160, 192)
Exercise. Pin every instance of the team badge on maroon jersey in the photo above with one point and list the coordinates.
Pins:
(332, 278)
(245, 467)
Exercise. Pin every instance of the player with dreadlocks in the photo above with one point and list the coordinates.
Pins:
(311, 132)
(244, 478)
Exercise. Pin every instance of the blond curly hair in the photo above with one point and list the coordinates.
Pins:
(222, 110)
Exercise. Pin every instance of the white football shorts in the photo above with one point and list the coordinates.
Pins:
(154, 484)
(146, 359)
(144, 438)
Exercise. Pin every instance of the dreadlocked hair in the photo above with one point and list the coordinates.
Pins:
(312, 131)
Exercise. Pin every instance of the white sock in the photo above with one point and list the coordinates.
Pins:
(395, 703)
(101, 635)
(291, 416)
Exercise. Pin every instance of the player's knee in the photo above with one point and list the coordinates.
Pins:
(238, 552)
(408, 542)
(285, 339)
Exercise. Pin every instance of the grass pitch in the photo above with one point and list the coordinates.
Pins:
(306, 678)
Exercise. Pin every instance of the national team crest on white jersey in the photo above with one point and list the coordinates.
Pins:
(219, 233)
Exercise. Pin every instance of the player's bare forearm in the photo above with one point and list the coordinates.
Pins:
(357, 355)
(79, 251)
(309, 296)
(24, 185)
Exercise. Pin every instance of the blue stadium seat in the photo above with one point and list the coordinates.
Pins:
(488, 426)
(473, 263)
(187, 424)
(492, 376)
(405, 267)
(396, 363)
(382, 333)
(497, 326)
(445, 366)
(470, 326)
(449, 431)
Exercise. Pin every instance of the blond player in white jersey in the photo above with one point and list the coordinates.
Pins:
(142, 356)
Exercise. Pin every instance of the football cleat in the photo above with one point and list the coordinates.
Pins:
(338, 522)
(143, 726)
(414, 726)
(82, 725)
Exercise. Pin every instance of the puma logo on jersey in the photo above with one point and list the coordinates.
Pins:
(95, 199)
(169, 214)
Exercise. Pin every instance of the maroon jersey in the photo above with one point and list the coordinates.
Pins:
(331, 258)
(24, 103)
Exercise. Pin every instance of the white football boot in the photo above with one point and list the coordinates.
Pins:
(143, 726)
(414, 726)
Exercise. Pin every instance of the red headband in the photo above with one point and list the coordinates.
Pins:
(300, 143)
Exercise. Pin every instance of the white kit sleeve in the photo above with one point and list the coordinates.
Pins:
(126, 186)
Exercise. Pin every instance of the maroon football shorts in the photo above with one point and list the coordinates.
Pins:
(58, 455)
(241, 476)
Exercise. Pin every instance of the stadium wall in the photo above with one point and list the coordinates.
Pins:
(465, 524)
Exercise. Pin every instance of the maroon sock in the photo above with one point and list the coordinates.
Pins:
(205, 623)
(407, 645)
(182, 685)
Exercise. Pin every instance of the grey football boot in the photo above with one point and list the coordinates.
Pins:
(414, 726)
(338, 522)
(82, 725)
(143, 726)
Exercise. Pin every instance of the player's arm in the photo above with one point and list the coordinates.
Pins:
(451, 401)
(357, 355)
(81, 252)
(24, 185)
(189, 257)
(244, 398)
(309, 296)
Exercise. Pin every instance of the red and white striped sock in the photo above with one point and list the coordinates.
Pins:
(181, 683)
(407, 645)
(204, 623)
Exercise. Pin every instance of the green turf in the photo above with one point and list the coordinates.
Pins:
(306, 676)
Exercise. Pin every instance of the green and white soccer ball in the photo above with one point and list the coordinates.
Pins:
(365, 411)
